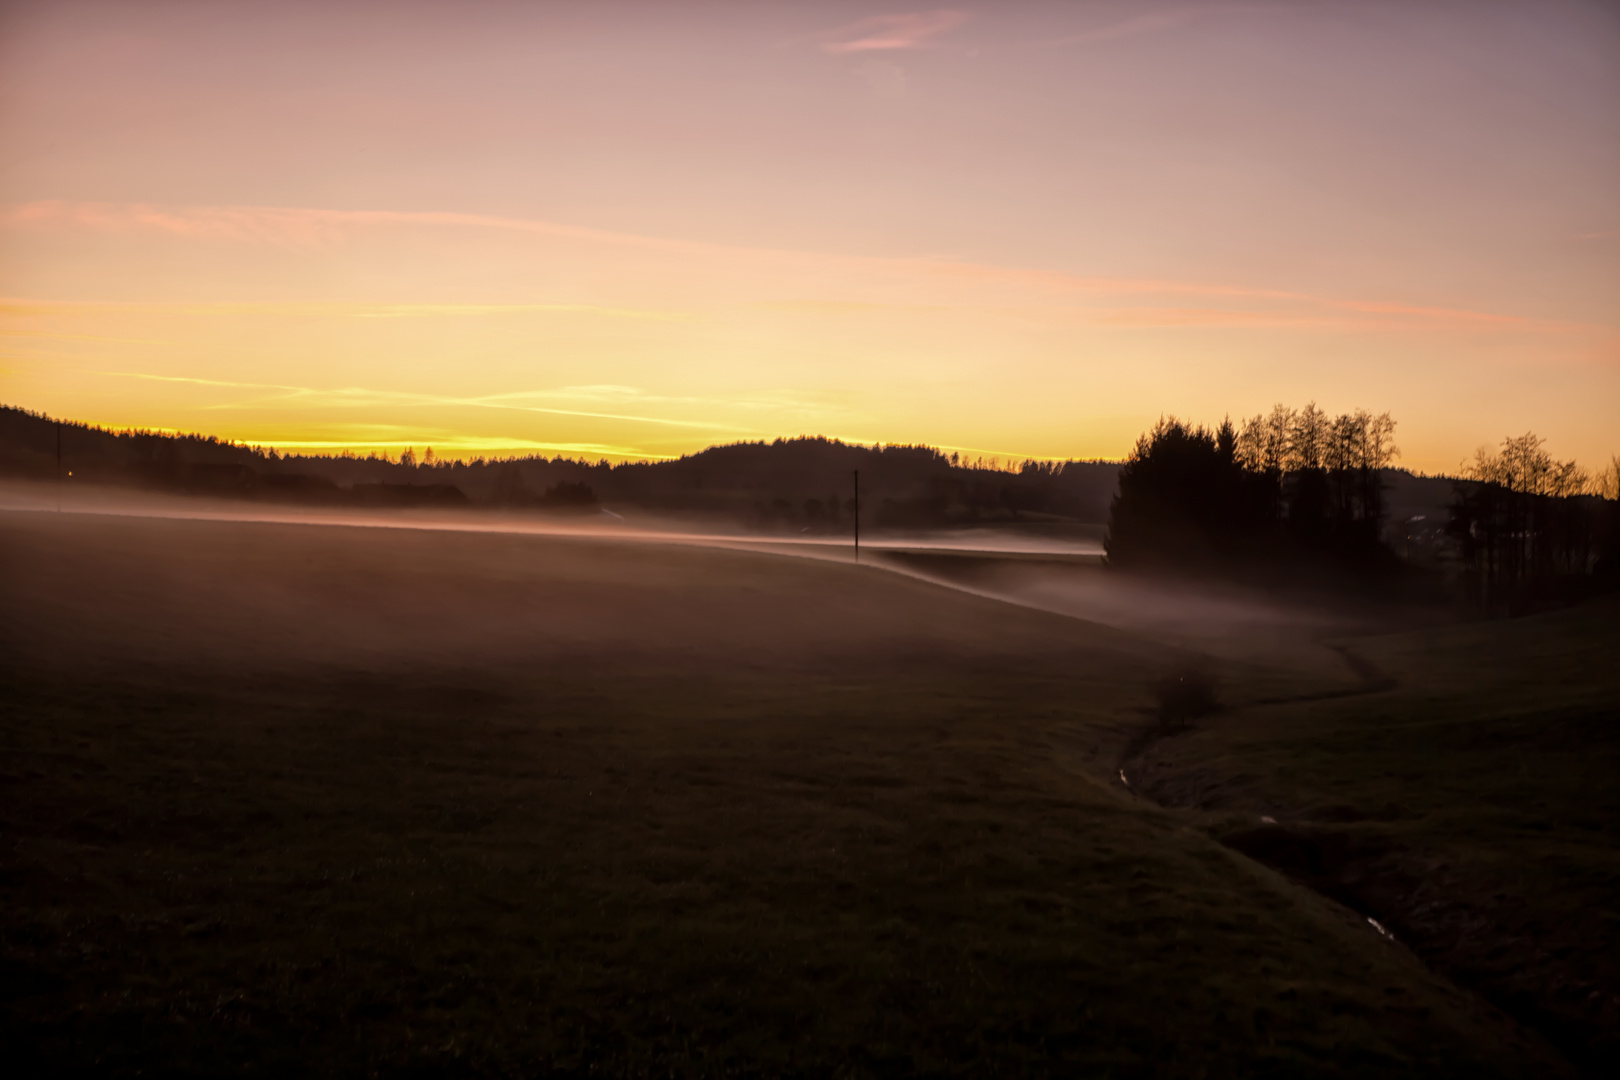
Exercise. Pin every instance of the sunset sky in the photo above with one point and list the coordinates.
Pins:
(613, 229)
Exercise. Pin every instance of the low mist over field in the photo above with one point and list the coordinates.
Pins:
(630, 798)
(504, 790)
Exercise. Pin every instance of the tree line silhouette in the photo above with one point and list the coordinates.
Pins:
(789, 485)
(1296, 491)
(1530, 528)
(1292, 491)
(1291, 488)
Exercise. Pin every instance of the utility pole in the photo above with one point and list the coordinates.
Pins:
(857, 515)
(59, 466)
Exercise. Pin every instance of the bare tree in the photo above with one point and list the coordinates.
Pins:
(1607, 482)
(1263, 443)
(1251, 444)
(1308, 440)
(1523, 466)
(1279, 435)
(1380, 443)
(1344, 442)
(1520, 524)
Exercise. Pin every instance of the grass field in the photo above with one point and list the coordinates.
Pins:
(282, 799)
(1470, 800)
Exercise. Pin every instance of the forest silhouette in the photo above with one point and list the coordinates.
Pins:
(1291, 486)
(1298, 493)
(1290, 496)
(788, 484)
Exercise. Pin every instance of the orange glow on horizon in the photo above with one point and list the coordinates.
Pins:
(550, 230)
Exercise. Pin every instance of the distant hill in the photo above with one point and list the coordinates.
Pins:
(783, 485)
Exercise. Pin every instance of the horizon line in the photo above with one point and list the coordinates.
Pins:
(636, 458)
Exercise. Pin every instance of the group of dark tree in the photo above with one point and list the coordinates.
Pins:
(1296, 491)
(1290, 489)
(1527, 527)
(511, 490)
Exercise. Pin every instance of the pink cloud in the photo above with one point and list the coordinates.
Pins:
(1142, 24)
(305, 227)
(1162, 317)
(1057, 282)
(262, 225)
(288, 226)
(1155, 21)
(911, 30)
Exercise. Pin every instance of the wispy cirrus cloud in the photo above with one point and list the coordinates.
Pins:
(548, 402)
(907, 30)
(100, 339)
(1001, 455)
(293, 226)
(1155, 21)
(306, 226)
(1140, 24)
(333, 308)
(1058, 282)
(445, 443)
(1172, 317)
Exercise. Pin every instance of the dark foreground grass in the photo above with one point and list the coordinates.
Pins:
(320, 801)
(1471, 802)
